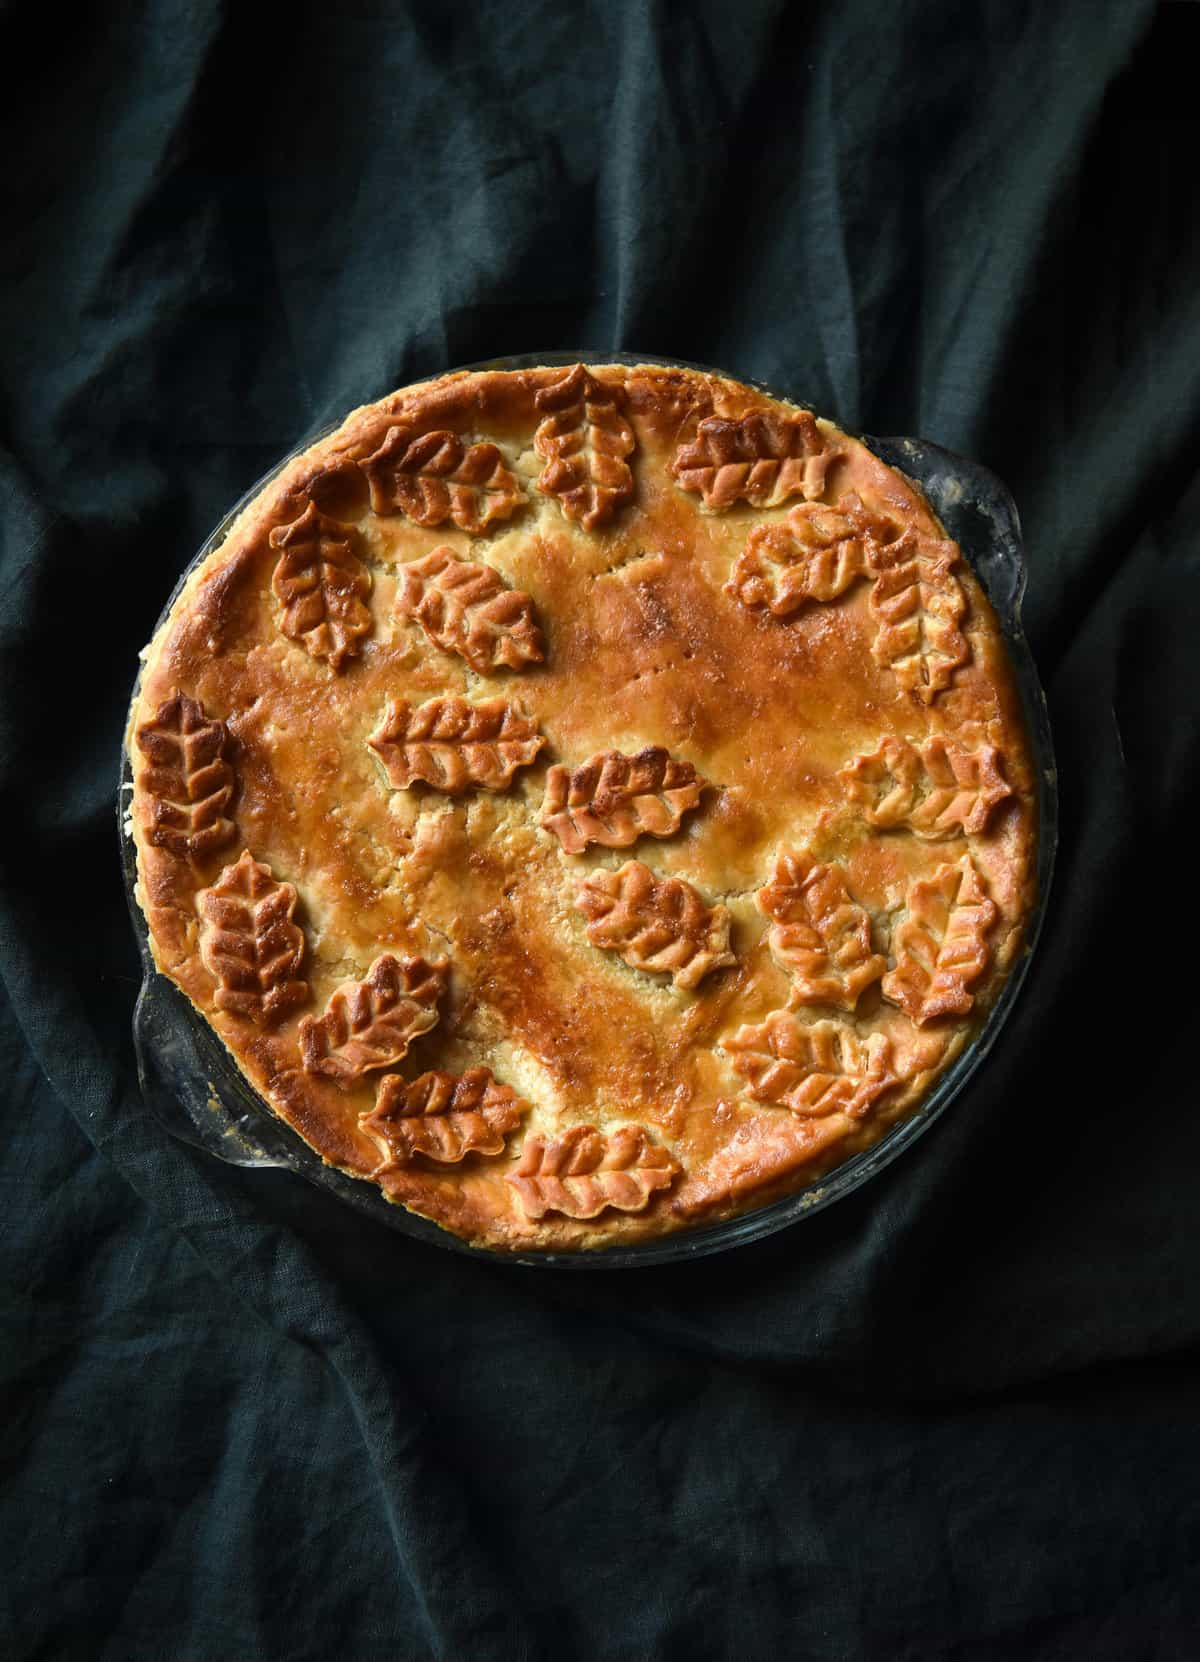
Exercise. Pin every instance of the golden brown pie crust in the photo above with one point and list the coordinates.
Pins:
(587, 803)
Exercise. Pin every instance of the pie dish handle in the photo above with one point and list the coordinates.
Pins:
(976, 508)
(188, 1090)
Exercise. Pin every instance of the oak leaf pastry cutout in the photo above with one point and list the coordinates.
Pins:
(763, 459)
(816, 553)
(584, 1172)
(371, 1023)
(322, 586)
(187, 780)
(443, 1116)
(455, 745)
(613, 799)
(467, 608)
(918, 604)
(435, 477)
(813, 1070)
(937, 789)
(940, 948)
(821, 937)
(585, 440)
(655, 923)
(249, 942)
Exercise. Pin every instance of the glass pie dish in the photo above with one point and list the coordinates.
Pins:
(194, 1086)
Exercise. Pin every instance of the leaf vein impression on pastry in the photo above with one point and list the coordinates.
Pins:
(435, 477)
(371, 1023)
(937, 788)
(763, 458)
(443, 1116)
(585, 439)
(813, 1070)
(583, 1172)
(613, 799)
(322, 586)
(941, 948)
(816, 553)
(918, 604)
(453, 745)
(187, 780)
(820, 936)
(250, 943)
(655, 923)
(467, 608)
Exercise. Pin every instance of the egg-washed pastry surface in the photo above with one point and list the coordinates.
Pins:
(586, 802)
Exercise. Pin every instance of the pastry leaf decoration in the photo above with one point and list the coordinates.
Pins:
(655, 923)
(187, 781)
(583, 1172)
(820, 936)
(435, 478)
(614, 799)
(937, 788)
(466, 607)
(817, 1070)
(816, 553)
(249, 942)
(918, 604)
(443, 1116)
(371, 1023)
(763, 459)
(940, 948)
(322, 586)
(584, 439)
(453, 745)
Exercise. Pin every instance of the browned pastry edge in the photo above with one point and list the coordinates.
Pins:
(909, 636)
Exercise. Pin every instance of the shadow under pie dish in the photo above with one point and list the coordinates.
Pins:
(591, 804)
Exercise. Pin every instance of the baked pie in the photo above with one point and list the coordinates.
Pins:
(586, 802)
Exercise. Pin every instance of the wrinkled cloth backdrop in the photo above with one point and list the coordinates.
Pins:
(956, 1415)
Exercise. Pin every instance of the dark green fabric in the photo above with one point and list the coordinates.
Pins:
(956, 1416)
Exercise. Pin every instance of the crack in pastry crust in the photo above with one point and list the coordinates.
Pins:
(749, 658)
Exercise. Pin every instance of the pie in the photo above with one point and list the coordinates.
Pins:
(587, 803)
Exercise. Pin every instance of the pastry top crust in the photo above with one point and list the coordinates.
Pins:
(586, 802)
